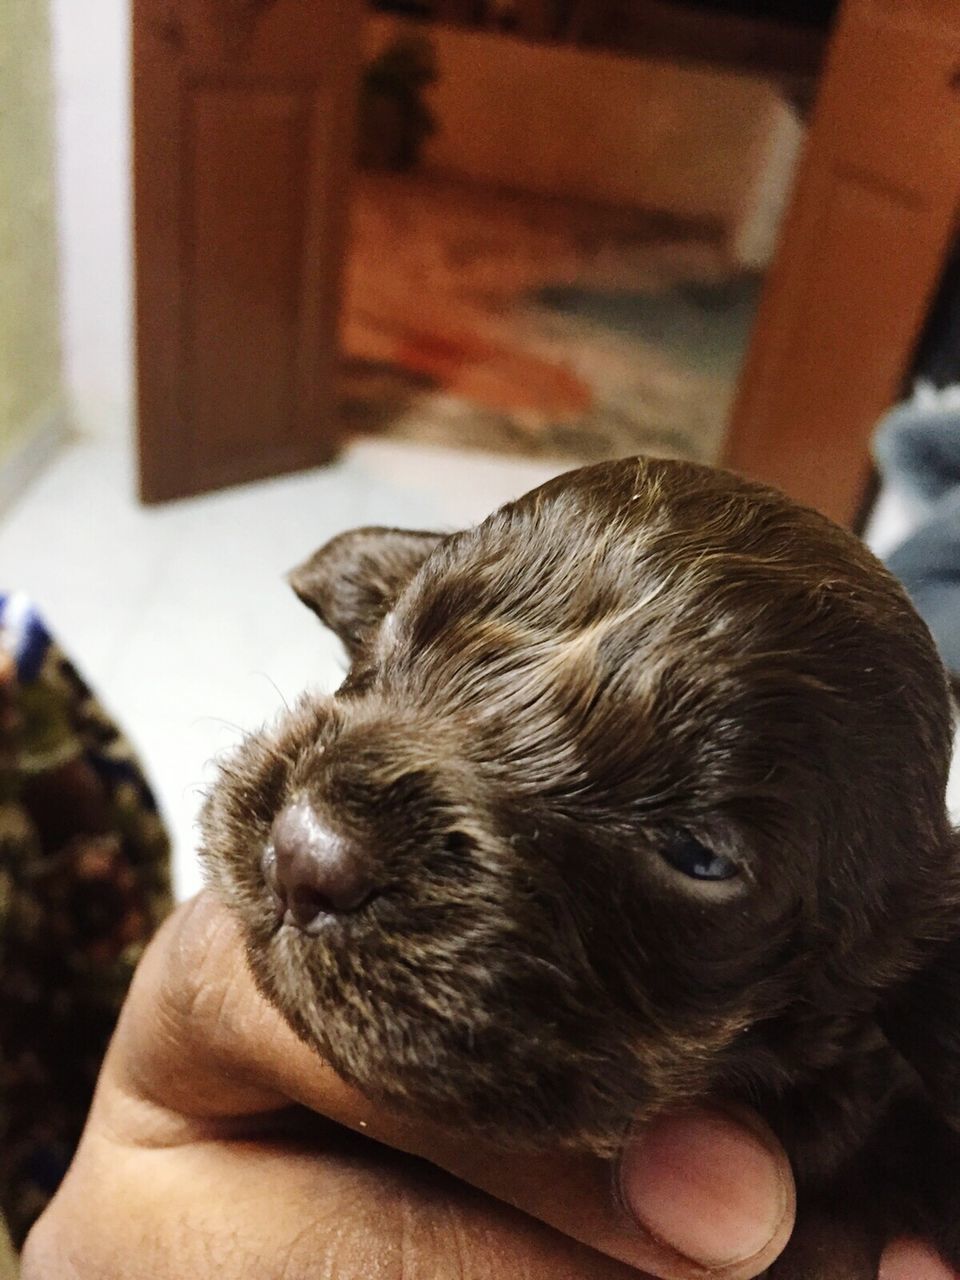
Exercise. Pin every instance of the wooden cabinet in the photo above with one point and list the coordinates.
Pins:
(243, 136)
(860, 253)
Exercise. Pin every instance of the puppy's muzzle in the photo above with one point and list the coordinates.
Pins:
(313, 871)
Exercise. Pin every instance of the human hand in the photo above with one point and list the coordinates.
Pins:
(193, 1163)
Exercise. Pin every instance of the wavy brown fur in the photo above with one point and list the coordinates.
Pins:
(535, 707)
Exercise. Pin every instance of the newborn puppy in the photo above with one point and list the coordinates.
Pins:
(633, 796)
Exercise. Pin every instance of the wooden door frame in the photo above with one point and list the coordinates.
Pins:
(819, 453)
(178, 46)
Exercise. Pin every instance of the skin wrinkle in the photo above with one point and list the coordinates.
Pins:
(408, 1269)
(293, 1267)
(633, 653)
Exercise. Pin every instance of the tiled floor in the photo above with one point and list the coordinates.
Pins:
(179, 615)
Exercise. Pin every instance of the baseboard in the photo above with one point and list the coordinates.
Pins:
(30, 453)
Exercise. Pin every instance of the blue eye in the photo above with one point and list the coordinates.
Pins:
(688, 855)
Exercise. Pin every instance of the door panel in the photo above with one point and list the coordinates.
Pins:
(860, 253)
(243, 306)
(243, 114)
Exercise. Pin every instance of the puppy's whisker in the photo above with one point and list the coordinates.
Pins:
(226, 724)
(269, 679)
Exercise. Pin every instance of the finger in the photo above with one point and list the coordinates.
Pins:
(911, 1260)
(715, 1186)
(702, 1194)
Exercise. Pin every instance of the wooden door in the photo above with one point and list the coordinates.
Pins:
(860, 254)
(243, 138)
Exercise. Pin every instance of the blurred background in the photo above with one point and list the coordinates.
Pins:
(274, 268)
(422, 255)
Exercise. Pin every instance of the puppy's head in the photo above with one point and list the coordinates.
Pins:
(627, 789)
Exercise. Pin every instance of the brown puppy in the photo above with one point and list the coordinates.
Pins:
(633, 795)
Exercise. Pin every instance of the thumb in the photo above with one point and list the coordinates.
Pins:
(710, 1186)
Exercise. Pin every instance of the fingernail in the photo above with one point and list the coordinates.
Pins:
(705, 1186)
(913, 1261)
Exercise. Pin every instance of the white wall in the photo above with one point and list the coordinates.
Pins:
(91, 40)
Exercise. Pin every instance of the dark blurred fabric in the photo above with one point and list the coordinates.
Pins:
(917, 449)
(84, 881)
(937, 358)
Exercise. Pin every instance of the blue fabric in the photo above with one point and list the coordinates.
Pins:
(917, 448)
(25, 634)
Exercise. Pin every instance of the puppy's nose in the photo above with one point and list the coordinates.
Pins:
(313, 870)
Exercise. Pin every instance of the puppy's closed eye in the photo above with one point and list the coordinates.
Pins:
(694, 859)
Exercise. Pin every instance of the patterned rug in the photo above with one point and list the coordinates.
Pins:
(515, 323)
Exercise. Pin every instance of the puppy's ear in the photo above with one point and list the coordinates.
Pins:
(923, 1022)
(353, 580)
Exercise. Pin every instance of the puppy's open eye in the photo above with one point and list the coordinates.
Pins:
(690, 856)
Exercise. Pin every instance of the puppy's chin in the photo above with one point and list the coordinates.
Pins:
(453, 1050)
